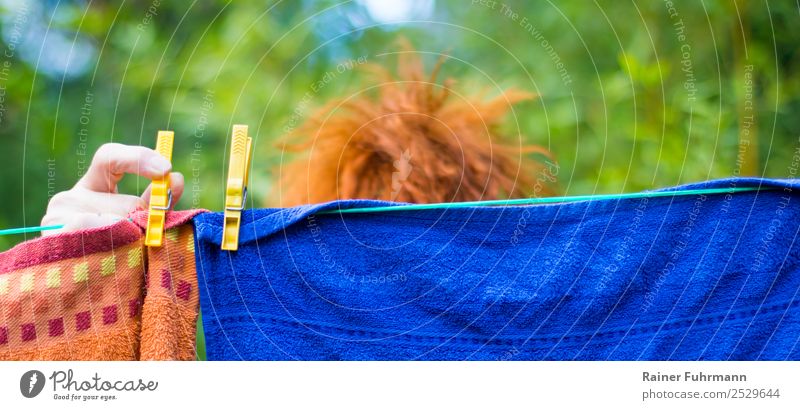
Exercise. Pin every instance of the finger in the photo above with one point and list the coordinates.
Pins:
(74, 222)
(81, 200)
(146, 194)
(176, 183)
(117, 204)
(86, 221)
(112, 161)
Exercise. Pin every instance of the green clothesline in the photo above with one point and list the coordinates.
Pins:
(500, 202)
(547, 200)
(30, 229)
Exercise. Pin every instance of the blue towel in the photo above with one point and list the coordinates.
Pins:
(708, 277)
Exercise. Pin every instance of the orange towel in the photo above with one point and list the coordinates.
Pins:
(100, 294)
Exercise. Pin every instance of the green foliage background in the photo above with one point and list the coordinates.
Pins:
(623, 120)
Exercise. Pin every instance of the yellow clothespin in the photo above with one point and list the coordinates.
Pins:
(160, 194)
(236, 190)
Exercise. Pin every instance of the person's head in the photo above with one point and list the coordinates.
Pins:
(408, 138)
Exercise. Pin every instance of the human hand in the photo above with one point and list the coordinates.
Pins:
(95, 201)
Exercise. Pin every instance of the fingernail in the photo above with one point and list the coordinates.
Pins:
(159, 165)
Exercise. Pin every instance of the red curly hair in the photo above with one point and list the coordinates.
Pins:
(410, 139)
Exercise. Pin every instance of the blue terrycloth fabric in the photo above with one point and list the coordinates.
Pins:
(679, 278)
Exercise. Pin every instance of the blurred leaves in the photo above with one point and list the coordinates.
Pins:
(614, 105)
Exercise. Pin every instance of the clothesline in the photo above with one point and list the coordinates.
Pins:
(499, 202)
(29, 229)
(546, 200)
